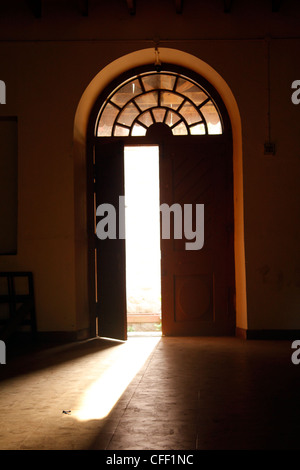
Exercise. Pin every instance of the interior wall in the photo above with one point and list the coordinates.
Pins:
(48, 63)
(272, 222)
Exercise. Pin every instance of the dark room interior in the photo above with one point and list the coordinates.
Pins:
(149, 207)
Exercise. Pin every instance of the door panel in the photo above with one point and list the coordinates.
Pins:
(110, 253)
(197, 285)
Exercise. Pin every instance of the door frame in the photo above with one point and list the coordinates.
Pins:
(130, 141)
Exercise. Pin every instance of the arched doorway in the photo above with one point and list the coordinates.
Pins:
(181, 113)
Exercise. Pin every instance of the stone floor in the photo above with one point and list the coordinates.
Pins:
(152, 393)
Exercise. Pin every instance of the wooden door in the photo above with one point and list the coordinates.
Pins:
(110, 252)
(198, 285)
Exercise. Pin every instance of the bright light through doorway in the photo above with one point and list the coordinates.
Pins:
(142, 223)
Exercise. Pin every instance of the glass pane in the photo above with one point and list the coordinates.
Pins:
(198, 129)
(126, 92)
(159, 114)
(172, 118)
(138, 130)
(106, 121)
(146, 119)
(180, 129)
(191, 91)
(129, 113)
(158, 80)
(171, 100)
(148, 100)
(121, 131)
(190, 113)
(215, 128)
(212, 118)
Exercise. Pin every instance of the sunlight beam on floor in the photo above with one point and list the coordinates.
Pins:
(103, 394)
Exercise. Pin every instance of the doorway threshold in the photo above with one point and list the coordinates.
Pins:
(140, 334)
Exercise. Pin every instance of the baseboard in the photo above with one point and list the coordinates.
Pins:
(283, 335)
(63, 336)
(241, 333)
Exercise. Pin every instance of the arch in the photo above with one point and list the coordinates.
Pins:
(85, 106)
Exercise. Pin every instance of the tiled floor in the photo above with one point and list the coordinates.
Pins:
(152, 393)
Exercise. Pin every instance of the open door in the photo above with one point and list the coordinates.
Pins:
(182, 114)
(198, 285)
(110, 252)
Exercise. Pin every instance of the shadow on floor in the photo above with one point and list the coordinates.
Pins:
(24, 355)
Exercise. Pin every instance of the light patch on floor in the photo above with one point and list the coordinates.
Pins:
(101, 396)
(84, 380)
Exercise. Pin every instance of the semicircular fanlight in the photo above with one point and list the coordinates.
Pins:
(158, 97)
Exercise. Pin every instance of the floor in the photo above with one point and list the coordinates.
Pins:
(152, 393)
